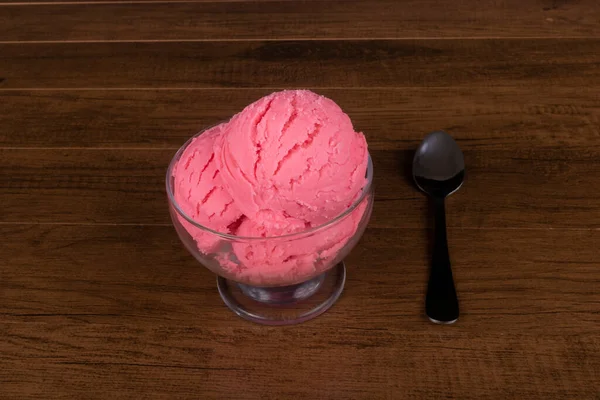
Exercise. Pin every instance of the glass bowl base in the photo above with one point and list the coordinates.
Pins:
(285, 305)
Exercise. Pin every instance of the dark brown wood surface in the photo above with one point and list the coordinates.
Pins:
(99, 299)
(276, 64)
(208, 20)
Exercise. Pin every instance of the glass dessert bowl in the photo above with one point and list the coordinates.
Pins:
(275, 280)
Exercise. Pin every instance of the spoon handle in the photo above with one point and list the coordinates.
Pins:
(441, 303)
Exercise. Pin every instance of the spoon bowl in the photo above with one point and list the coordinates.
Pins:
(439, 165)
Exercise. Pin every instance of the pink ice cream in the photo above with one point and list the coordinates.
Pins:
(291, 260)
(200, 192)
(285, 164)
(293, 152)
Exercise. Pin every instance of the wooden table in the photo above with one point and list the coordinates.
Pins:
(99, 299)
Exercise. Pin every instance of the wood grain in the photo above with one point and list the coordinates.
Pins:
(472, 367)
(299, 19)
(159, 312)
(499, 366)
(524, 188)
(147, 275)
(481, 118)
(293, 64)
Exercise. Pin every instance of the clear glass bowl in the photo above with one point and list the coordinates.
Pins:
(276, 280)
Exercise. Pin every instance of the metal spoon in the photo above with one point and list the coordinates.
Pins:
(439, 170)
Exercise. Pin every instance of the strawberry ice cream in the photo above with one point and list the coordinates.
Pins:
(291, 260)
(200, 193)
(293, 152)
(285, 165)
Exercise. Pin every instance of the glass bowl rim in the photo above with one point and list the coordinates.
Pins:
(171, 195)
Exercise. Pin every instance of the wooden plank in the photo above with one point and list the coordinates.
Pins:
(481, 118)
(526, 277)
(276, 364)
(514, 188)
(282, 364)
(298, 19)
(79, 320)
(292, 64)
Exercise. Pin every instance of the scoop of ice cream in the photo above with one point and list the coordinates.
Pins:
(294, 153)
(266, 260)
(200, 192)
(289, 259)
